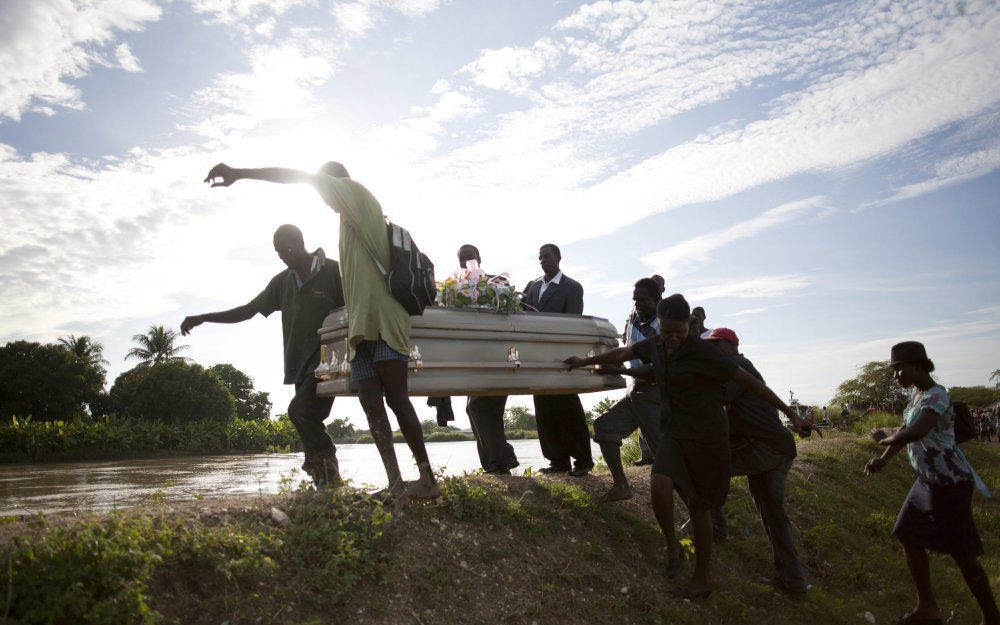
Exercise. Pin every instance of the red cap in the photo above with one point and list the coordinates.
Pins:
(722, 334)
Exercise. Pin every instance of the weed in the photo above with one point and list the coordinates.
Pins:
(471, 501)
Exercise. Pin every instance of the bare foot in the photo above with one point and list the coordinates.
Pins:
(422, 490)
(617, 493)
(395, 495)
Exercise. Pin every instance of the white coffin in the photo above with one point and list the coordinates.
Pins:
(469, 352)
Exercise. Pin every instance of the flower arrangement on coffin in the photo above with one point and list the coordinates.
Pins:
(472, 288)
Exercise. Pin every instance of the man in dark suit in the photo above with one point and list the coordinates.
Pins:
(562, 426)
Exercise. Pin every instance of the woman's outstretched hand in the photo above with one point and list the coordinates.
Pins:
(574, 362)
(874, 466)
(223, 171)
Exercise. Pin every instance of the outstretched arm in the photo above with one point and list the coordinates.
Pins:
(758, 388)
(223, 175)
(912, 433)
(233, 315)
(614, 356)
(875, 464)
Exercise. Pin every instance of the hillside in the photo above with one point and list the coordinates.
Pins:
(493, 550)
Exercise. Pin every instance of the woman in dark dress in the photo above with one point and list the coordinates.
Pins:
(937, 514)
(693, 456)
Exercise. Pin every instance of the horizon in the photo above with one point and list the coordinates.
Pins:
(823, 179)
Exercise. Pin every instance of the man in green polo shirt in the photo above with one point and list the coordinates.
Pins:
(305, 293)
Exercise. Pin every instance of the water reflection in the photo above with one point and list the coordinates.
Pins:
(83, 486)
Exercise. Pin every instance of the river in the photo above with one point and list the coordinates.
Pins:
(60, 487)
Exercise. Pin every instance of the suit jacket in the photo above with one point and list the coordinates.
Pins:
(565, 297)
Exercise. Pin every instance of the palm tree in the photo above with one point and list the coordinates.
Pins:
(86, 348)
(155, 346)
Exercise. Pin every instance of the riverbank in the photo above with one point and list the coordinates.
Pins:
(112, 438)
(493, 549)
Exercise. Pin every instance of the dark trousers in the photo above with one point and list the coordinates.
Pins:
(645, 449)
(768, 491)
(562, 431)
(307, 412)
(486, 418)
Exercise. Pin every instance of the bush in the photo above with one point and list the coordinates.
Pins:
(175, 392)
(469, 501)
(250, 404)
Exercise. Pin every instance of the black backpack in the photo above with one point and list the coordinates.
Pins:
(965, 427)
(410, 275)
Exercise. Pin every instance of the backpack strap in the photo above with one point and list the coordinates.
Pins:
(371, 252)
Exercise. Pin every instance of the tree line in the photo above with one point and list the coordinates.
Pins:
(66, 380)
(875, 387)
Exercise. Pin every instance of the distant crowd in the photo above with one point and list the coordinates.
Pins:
(987, 422)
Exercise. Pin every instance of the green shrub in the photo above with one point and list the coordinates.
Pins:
(469, 501)
(176, 391)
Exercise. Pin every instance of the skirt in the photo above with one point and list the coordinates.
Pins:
(939, 518)
(699, 469)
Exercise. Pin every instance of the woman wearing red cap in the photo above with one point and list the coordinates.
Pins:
(937, 514)
(693, 455)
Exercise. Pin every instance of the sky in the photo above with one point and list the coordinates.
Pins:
(824, 178)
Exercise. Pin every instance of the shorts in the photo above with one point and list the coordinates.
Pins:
(637, 410)
(367, 353)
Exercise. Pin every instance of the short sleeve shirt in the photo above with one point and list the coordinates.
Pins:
(372, 312)
(303, 310)
(752, 417)
(935, 458)
(691, 380)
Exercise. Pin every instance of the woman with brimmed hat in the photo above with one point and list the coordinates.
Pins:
(937, 513)
(693, 456)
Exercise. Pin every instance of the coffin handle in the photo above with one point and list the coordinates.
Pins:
(416, 358)
(514, 358)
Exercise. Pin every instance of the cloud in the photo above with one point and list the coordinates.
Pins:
(950, 172)
(126, 59)
(46, 44)
(855, 83)
(358, 17)
(510, 69)
(682, 256)
(758, 287)
(279, 85)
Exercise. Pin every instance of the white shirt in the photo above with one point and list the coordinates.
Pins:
(556, 279)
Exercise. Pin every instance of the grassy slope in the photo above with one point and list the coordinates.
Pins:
(494, 550)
